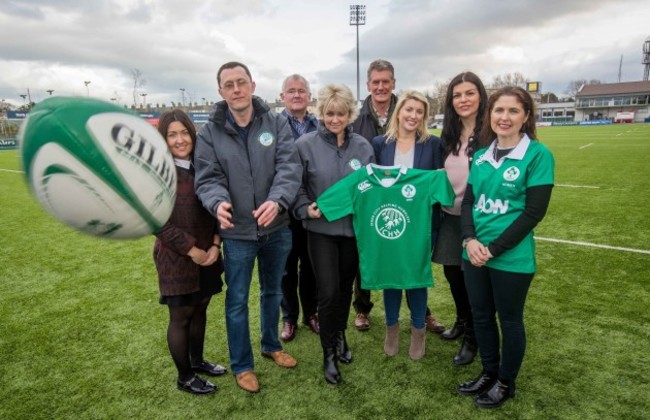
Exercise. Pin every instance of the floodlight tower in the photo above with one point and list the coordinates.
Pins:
(357, 17)
(646, 59)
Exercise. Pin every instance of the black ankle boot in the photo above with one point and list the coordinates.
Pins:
(330, 366)
(478, 385)
(342, 351)
(455, 331)
(468, 349)
(499, 393)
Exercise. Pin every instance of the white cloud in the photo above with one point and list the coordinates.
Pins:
(180, 44)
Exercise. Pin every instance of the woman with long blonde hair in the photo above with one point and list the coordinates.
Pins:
(408, 143)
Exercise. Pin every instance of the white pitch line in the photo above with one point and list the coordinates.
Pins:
(617, 248)
(11, 170)
(576, 186)
(586, 145)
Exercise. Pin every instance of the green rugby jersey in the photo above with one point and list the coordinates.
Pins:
(391, 209)
(500, 197)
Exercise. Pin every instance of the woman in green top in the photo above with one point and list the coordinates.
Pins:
(508, 192)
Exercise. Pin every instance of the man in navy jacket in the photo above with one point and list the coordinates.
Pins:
(298, 282)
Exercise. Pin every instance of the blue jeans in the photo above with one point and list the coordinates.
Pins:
(416, 299)
(239, 256)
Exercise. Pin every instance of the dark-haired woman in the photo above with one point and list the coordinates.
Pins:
(464, 108)
(508, 192)
(188, 260)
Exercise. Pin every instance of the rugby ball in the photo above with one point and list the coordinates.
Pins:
(98, 167)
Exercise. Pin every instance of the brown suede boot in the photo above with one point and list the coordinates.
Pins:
(391, 343)
(418, 340)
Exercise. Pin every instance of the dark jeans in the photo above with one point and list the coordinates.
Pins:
(335, 260)
(298, 279)
(492, 291)
(271, 252)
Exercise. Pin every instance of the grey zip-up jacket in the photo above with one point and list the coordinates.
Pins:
(324, 163)
(246, 173)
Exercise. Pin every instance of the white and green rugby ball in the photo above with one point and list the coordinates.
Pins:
(97, 167)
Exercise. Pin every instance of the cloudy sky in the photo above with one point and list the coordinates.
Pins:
(59, 44)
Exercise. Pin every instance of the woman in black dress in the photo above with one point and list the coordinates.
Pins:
(188, 260)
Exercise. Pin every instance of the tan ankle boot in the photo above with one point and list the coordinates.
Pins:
(391, 343)
(418, 340)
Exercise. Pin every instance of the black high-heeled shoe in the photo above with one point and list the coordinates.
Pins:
(468, 349)
(455, 331)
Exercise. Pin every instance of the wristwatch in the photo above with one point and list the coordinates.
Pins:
(280, 208)
(466, 241)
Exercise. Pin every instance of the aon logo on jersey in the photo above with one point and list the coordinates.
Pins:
(490, 206)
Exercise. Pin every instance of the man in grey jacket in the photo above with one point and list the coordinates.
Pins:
(247, 175)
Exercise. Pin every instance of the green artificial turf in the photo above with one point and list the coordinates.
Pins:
(83, 336)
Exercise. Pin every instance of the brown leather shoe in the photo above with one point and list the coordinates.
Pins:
(288, 332)
(432, 325)
(281, 358)
(361, 322)
(313, 324)
(248, 381)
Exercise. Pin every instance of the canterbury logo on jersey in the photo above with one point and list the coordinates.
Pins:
(363, 186)
(490, 206)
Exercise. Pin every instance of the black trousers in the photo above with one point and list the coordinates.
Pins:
(454, 276)
(298, 280)
(362, 302)
(335, 260)
(492, 292)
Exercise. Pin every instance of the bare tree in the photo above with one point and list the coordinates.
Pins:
(509, 79)
(549, 97)
(575, 86)
(437, 96)
(138, 82)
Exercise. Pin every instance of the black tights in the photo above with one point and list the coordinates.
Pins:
(185, 336)
(454, 276)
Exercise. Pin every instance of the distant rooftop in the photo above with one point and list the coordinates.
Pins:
(623, 88)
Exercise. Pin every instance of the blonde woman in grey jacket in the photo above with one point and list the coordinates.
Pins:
(328, 155)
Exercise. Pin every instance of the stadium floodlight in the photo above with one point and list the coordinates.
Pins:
(50, 91)
(87, 82)
(357, 17)
(183, 95)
